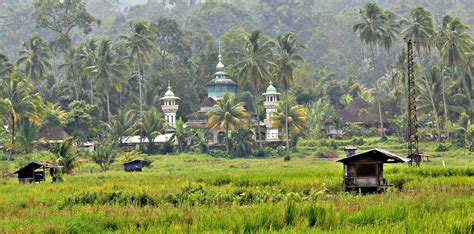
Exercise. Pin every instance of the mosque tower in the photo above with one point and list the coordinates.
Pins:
(271, 104)
(170, 106)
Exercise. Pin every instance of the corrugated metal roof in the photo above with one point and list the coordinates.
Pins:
(388, 154)
(39, 164)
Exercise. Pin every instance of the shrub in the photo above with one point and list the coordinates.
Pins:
(352, 130)
(324, 152)
(441, 148)
(219, 154)
(105, 155)
(357, 140)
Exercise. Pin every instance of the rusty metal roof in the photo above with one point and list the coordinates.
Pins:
(382, 152)
(37, 165)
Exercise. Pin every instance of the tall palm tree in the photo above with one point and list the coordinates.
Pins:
(227, 115)
(34, 59)
(454, 43)
(392, 29)
(287, 59)
(430, 87)
(109, 71)
(88, 57)
(71, 69)
(6, 68)
(372, 29)
(141, 43)
(256, 59)
(295, 122)
(17, 101)
(419, 28)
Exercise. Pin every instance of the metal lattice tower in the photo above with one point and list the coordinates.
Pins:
(413, 151)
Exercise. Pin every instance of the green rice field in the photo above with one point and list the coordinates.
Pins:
(199, 193)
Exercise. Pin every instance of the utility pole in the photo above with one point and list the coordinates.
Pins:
(413, 150)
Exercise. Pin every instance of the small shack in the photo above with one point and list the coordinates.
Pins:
(35, 172)
(135, 165)
(364, 171)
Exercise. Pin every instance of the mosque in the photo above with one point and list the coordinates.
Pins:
(216, 89)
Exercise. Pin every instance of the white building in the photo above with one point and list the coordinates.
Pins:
(271, 105)
(170, 106)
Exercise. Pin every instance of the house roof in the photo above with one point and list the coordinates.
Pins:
(158, 139)
(51, 134)
(37, 165)
(135, 160)
(359, 111)
(379, 153)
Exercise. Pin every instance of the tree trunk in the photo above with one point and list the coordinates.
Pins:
(286, 126)
(380, 116)
(12, 140)
(108, 107)
(76, 92)
(445, 104)
(91, 91)
(227, 144)
(259, 137)
(140, 92)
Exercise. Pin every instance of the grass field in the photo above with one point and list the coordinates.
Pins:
(198, 193)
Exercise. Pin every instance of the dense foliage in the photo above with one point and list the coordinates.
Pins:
(103, 67)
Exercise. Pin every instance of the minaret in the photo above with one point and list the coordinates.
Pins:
(271, 105)
(170, 106)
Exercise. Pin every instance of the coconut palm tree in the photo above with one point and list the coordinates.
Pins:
(295, 122)
(391, 31)
(256, 59)
(71, 69)
(141, 43)
(109, 71)
(454, 43)
(34, 59)
(227, 115)
(287, 59)
(372, 29)
(88, 57)
(419, 28)
(17, 101)
(430, 88)
(6, 68)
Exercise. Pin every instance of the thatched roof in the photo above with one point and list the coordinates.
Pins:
(53, 134)
(359, 111)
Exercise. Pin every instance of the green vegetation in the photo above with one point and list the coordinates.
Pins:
(92, 72)
(199, 193)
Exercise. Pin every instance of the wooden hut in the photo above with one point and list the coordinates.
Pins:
(34, 172)
(364, 171)
(135, 165)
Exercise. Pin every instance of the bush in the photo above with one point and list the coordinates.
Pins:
(219, 154)
(357, 140)
(167, 148)
(441, 148)
(354, 130)
(325, 153)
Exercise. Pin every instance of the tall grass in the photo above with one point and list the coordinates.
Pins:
(198, 193)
